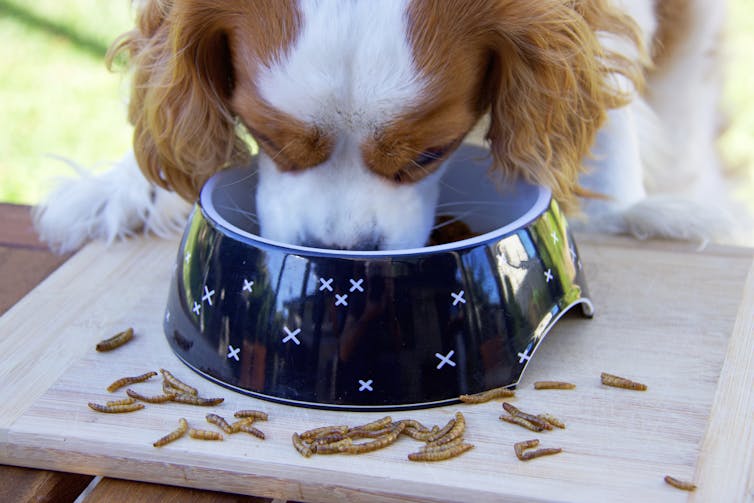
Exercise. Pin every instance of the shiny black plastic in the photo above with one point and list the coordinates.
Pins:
(376, 330)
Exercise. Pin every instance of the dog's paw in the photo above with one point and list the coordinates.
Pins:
(665, 217)
(107, 206)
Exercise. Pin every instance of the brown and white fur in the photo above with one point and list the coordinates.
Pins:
(355, 105)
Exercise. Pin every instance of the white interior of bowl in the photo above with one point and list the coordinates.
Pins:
(490, 209)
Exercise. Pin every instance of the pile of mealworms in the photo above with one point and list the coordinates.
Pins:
(440, 443)
(173, 390)
(245, 421)
(545, 422)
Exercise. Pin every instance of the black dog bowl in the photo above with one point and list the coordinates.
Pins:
(373, 330)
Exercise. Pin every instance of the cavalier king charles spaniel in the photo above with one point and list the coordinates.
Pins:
(354, 106)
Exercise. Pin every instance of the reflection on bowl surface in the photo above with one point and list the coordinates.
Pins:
(373, 330)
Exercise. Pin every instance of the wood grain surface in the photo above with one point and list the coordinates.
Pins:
(674, 318)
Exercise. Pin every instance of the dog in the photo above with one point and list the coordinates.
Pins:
(354, 106)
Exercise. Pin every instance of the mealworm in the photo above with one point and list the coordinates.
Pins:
(621, 382)
(440, 455)
(177, 383)
(359, 433)
(521, 422)
(301, 446)
(515, 411)
(553, 385)
(236, 425)
(255, 414)
(310, 434)
(486, 396)
(125, 381)
(334, 447)
(378, 443)
(149, 399)
(167, 389)
(116, 340)
(123, 401)
(459, 426)
(680, 484)
(526, 456)
(520, 447)
(116, 409)
(196, 400)
(442, 432)
(220, 422)
(552, 420)
(376, 425)
(413, 423)
(422, 436)
(445, 445)
(205, 434)
(248, 428)
(173, 435)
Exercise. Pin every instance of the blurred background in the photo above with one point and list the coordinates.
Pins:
(57, 98)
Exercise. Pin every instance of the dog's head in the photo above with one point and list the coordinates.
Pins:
(355, 105)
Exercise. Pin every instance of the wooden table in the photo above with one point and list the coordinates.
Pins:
(679, 319)
(25, 262)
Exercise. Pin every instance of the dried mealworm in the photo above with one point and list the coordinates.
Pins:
(167, 389)
(173, 435)
(552, 420)
(621, 382)
(251, 414)
(378, 443)
(334, 447)
(680, 484)
(324, 430)
(413, 423)
(116, 409)
(196, 400)
(123, 401)
(125, 381)
(553, 385)
(220, 422)
(459, 426)
(526, 456)
(440, 454)
(205, 434)
(236, 425)
(116, 340)
(150, 399)
(359, 433)
(176, 383)
(443, 431)
(515, 411)
(248, 428)
(445, 445)
(520, 447)
(420, 435)
(521, 422)
(486, 396)
(376, 425)
(302, 447)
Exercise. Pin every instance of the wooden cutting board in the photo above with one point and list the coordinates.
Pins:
(679, 320)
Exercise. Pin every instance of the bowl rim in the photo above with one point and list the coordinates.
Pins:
(540, 206)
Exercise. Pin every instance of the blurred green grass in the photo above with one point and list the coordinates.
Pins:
(56, 97)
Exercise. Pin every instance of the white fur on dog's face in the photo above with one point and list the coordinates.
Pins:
(341, 204)
(350, 73)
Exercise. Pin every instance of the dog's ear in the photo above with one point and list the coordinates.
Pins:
(550, 85)
(182, 77)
